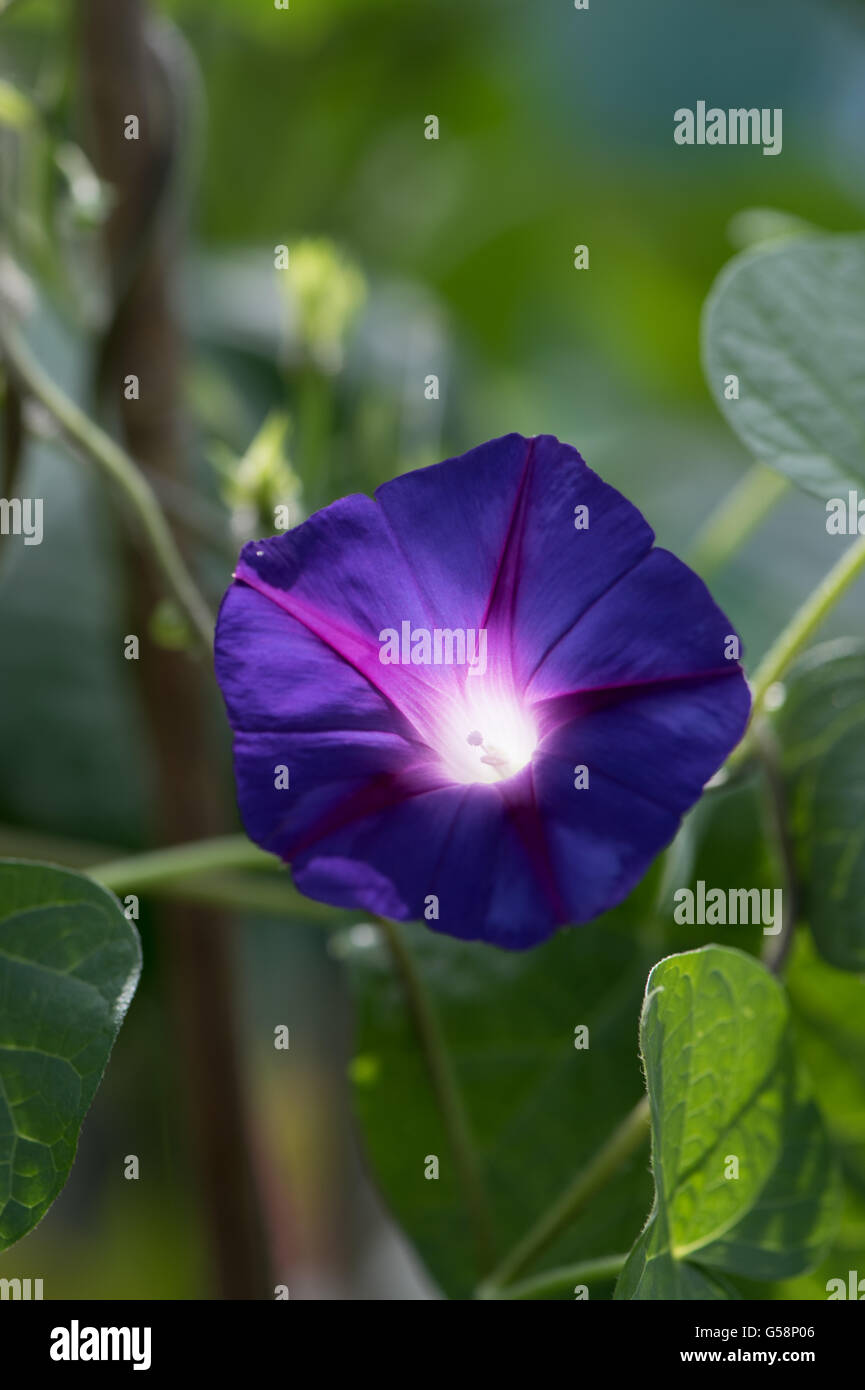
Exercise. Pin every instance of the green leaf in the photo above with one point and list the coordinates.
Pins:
(724, 1083)
(829, 1025)
(829, 1018)
(538, 1107)
(69, 965)
(789, 322)
(821, 726)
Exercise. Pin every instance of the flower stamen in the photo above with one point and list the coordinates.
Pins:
(492, 757)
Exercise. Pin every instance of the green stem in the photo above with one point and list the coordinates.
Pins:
(447, 1091)
(564, 1278)
(159, 867)
(196, 873)
(52, 849)
(795, 635)
(807, 619)
(776, 949)
(736, 517)
(268, 895)
(117, 464)
(622, 1143)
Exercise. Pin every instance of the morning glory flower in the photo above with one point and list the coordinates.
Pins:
(483, 699)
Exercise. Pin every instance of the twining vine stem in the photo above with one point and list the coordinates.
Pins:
(777, 948)
(736, 517)
(625, 1140)
(559, 1280)
(116, 463)
(799, 629)
(447, 1091)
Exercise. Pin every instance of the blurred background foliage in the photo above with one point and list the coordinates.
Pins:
(410, 257)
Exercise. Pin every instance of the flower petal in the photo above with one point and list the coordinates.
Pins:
(658, 622)
(277, 675)
(333, 782)
(342, 577)
(649, 754)
(493, 542)
(452, 851)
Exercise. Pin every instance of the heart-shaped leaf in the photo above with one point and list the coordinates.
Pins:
(822, 730)
(784, 355)
(745, 1183)
(69, 965)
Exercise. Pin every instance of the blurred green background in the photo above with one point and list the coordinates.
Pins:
(412, 257)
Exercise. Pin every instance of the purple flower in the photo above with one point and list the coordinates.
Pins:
(482, 699)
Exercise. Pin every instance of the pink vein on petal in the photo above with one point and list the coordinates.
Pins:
(403, 687)
(502, 598)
